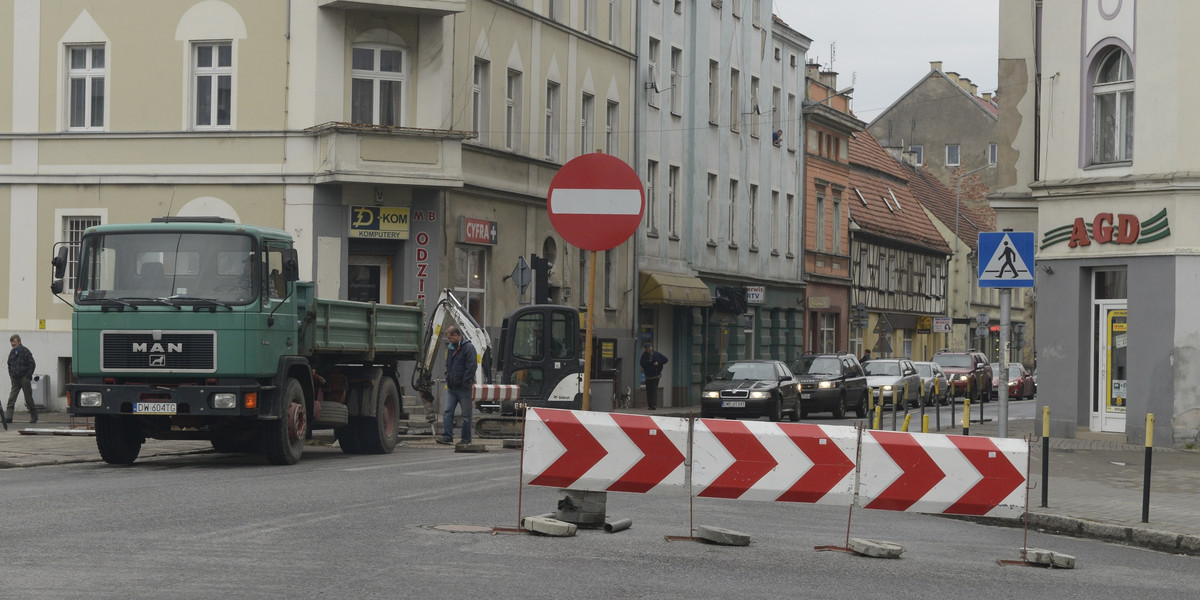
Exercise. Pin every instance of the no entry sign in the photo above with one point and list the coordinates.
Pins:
(596, 201)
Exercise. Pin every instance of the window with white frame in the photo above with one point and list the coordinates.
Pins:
(610, 127)
(85, 87)
(673, 201)
(753, 217)
(755, 110)
(614, 21)
(676, 84)
(470, 267)
(377, 88)
(776, 118)
(479, 98)
(828, 332)
(992, 153)
(796, 123)
(1112, 108)
(652, 50)
(734, 100)
(512, 111)
(651, 197)
(774, 222)
(714, 96)
(952, 155)
(212, 85)
(587, 116)
(789, 232)
(731, 232)
(552, 120)
(713, 212)
(589, 16)
(73, 227)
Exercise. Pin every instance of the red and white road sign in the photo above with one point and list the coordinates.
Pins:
(495, 392)
(596, 201)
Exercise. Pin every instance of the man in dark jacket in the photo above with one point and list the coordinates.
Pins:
(652, 364)
(20, 369)
(461, 362)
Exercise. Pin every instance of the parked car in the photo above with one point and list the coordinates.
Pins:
(935, 386)
(1020, 381)
(969, 372)
(894, 379)
(831, 383)
(752, 388)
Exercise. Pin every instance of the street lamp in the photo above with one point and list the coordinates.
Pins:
(957, 217)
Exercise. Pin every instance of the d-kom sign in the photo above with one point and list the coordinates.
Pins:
(1107, 228)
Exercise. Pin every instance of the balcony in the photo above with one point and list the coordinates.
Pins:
(431, 7)
(388, 155)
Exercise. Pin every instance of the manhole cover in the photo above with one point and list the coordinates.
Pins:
(461, 528)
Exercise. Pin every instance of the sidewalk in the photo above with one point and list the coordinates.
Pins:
(1094, 487)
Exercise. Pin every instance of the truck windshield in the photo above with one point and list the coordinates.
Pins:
(179, 267)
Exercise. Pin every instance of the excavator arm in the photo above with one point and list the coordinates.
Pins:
(449, 311)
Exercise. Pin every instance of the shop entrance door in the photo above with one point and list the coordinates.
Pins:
(1109, 399)
(369, 278)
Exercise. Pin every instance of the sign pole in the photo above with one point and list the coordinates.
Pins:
(587, 336)
(1002, 385)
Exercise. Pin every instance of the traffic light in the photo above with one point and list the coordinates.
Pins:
(541, 278)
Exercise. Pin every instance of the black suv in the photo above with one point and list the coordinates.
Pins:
(831, 383)
(970, 374)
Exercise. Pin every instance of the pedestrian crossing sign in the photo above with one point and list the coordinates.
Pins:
(1006, 259)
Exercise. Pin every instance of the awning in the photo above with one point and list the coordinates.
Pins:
(672, 288)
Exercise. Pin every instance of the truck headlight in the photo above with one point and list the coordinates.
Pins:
(225, 401)
(826, 385)
(91, 399)
(712, 394)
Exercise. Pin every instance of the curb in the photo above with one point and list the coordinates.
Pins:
(1140, 537)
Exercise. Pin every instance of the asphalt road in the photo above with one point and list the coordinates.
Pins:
(339, 526)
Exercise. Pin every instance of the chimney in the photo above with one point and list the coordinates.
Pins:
(964, 83)
(952, 76)
(812, 71)
(829, 80)
(974, 90)
(935, 65)
(987, 96)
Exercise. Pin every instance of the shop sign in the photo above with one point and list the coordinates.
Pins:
(756, 294)
(942, 324)
(379, 222)
(477, 231)
(818, 301)
(924, 324)
(1107, 228)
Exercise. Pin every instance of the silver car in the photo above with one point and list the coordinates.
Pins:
(935, 386)
(894, 378)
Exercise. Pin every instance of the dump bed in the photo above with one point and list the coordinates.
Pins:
(361, 332)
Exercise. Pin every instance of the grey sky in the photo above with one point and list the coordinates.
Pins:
(888, 44)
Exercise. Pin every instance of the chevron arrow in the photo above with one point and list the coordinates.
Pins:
(659, 455)
(920, 472)
(830, 463)
(1000, 477)
(751, 460)
(582, 451)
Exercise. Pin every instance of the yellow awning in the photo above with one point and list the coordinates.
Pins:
(672, 288)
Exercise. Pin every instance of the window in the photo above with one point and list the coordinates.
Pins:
(673, 201)
(610, 278)
(470, 266)
(610, 127)
(776, 130)
(552, 120)
(72, 231)
(587, 114)
(732, 217)
(734, 116)
(774, 223)
(828, 333)
(512, 111)
(652, 71)
(714, 98)
(919, 153)
(676, 88)
(755, 111)
(589, 17)
(479, 98)
(789, 231)
(792, 114)
(85, 85)
(837, 222)
(1112, 107)
(614, 20)
(753, 202)
(651, 200)
(378, 85)
(212, 82)
(952, 155)
(679, 7)
(819, 220)
(552, 10)
(713, 212)
(992, 153)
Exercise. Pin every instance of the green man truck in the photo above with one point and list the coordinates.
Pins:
(200, 328)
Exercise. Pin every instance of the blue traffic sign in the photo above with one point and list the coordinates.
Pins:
(1006, 259)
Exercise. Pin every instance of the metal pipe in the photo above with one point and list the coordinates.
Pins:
(618, 525)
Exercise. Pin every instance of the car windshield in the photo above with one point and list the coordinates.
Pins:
(748, 370)
(178, 267)
(925, 370)
(960, 361)
(880, 367)
(818, 365)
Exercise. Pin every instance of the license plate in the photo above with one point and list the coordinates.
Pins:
(154, 408)
(805, 396)
(733, 404)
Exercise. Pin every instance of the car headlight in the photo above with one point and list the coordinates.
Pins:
(759, 395)
(90, 398)
(962, 378)
(225, 401)
(826, 385)
(887, 388)
(712, 394)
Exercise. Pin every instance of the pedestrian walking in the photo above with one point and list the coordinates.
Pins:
(652, 364)
(866, 356)
(461, 361)
(20, 370)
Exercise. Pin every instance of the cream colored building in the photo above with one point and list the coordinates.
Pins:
(445, 118)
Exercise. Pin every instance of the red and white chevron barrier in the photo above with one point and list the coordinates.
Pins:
(488, 392)
(780, 462)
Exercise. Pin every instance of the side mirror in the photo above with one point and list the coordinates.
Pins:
(56, 286)
(291, 265)
(60, 263)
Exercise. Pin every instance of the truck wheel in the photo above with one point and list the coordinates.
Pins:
(347, 437)
(119, 439)
(378, 434)
(284, 437)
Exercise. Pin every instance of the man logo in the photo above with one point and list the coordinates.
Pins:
(158, 360)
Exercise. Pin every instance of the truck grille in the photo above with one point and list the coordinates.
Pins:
(158, 352)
